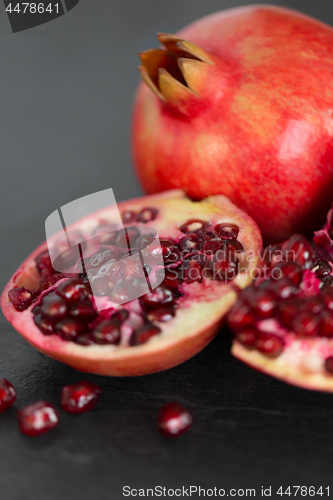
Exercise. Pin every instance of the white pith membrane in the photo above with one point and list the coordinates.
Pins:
(200, 309)
(302, 360)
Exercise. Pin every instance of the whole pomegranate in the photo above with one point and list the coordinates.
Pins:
(240, 103)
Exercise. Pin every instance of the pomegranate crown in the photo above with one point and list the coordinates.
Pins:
(171, 71)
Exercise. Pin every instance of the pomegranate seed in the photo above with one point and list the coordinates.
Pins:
(269, 345)
(80, 397)
(163, 314)
(171, 280)
(283, 288)
(306, 324)
(127, 237)
(83, 311)
(43, 261)
(99, 285)
(7, 394)
(85, 339)
(107, 332)
(224, 266)
(288, 310)
(173, 419)
(193, 226)
(233, 246)
(227, 231)
(328, 298)
(69, 329)
(322, 269)
(128, 216)
(240, 316)
(72, 290)
(159, 297)
(44, 324)
(47, 280)
(247, 337)
(327, 282)
(327, 324)
(147, 214)
(142, 335)
(288, 270)
(120, 316)
(191, 270)
(299, 250)
(192, 242)
(314, 304)
(21, 298)
(329, 364)
(263, 304)
(37, 418)
(212, 246)
(54, 307)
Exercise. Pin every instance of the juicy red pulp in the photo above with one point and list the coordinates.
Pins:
(293, 296)
(69, 310)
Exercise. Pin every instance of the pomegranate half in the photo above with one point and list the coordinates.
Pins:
(209, 248)
(283, 322)
(235, 104)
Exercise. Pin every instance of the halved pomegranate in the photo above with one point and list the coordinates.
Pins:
(84, 316)
(283, 322)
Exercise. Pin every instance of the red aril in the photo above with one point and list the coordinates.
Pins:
(101, 317)
(221, 111)
(37, 418)
(7, 394)
(80, 397)
(174, 419)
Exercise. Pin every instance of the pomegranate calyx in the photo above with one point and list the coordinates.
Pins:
(172, 72)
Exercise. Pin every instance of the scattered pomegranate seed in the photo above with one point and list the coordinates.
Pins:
(192, 242)
(80, 397)
(37, 418)
(224, 266)
(173, 419)
(7, 394)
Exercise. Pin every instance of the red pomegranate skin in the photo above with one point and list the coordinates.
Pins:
(261, 132)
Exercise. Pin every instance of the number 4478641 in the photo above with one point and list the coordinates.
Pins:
(32, 8)
(303, 491)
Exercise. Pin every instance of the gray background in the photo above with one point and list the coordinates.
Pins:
(65, 100)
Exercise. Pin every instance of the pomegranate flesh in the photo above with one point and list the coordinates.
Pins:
(221, 111)
(101, 317)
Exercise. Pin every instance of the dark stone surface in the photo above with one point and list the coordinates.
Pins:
(66, 93)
